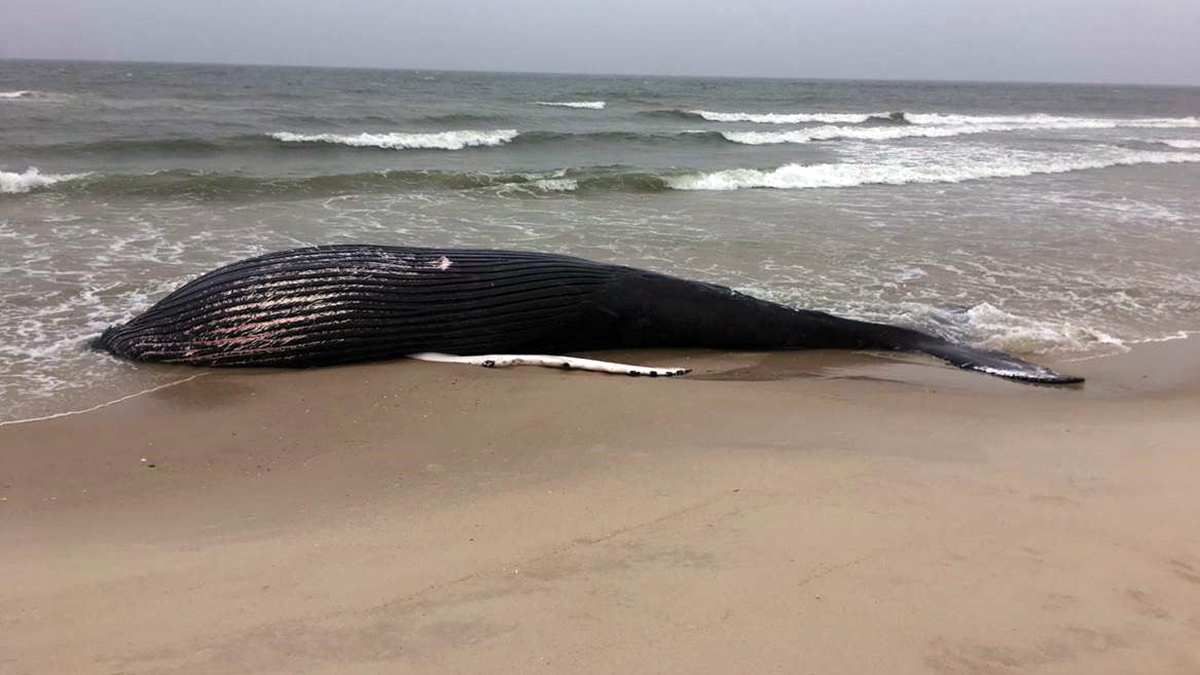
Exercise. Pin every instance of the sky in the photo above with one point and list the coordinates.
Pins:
(1106, 41)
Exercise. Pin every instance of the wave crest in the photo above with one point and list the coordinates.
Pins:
(799, 176)
(13, 183)
(786, 118)
(444, 140)
(589, 105)
(938, 126)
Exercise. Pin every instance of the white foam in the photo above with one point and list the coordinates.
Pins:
(786, 118)
(445, 140)
(24, 93)
(556, 184)
(827, 133)
(995, 328)
(11, 182)
(590, 105)
(934, 126)
(1041, 120)
(1182, 144)
(799, 176)
(1030, 121)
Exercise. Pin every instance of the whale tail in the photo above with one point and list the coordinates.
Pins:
(866, 335)
(662, 311)
(989, 361)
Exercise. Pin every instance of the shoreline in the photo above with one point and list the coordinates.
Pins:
(799, 512)
(1158, 365)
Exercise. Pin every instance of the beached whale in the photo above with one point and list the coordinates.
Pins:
(341, 304)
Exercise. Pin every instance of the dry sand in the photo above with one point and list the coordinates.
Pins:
(798, 513)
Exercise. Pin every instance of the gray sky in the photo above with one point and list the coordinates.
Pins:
(1127, 41)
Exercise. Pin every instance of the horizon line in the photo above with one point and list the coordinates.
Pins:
(608, 74)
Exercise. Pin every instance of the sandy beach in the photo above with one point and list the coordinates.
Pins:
(772, 513)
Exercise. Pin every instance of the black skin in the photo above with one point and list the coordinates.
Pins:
(393, 301)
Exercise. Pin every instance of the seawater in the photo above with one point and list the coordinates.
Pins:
(1041, 219)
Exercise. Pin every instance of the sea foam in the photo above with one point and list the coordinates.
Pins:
(590, 105)
(1027, 121)
(12, 182)
(799, 176)
(787, 118)
(942, 126)
(445, 140)
(24, 93)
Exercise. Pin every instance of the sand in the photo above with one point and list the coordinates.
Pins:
(797, 513)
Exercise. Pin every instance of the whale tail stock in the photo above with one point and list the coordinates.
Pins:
(707, 315)
(990, 361)
(849, 333)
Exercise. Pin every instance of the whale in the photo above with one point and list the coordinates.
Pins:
(338, 304)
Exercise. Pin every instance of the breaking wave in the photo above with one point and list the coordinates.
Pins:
(589, 105)
(1182, 144)
(940, 126)
(187, 184)
(444, 140)
(672, 114)
(786, 118)
(12, 182)
(938, 168)
(1030, 121)
(604, 138)
(1041, 120)
(799, 176)
(11, 95)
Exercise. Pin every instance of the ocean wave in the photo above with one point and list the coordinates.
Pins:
(863, 133)
(444, 140)
(1027, 121)
(602, 138)
(1041, 120)
(460, 118)
(35, 95)
(1182, 144)
(786, 118)
(672, 114)
(153, 145)
(986, 325)
(908, 168)
(589, 105)
(890, 119)
(187, 184)
(13, 183)
(317, 120)
(799, 176)
(289, 142)
(945, 126)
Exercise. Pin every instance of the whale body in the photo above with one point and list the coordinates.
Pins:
(328, 305)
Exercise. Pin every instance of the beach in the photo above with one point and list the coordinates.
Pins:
(836, 513)
(812, 512)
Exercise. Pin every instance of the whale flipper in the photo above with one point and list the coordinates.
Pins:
(550, 361)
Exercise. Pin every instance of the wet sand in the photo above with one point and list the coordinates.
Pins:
(772, 513)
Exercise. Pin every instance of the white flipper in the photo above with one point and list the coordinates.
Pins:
(565, 362)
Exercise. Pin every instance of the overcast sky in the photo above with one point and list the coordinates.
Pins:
(1126, 41)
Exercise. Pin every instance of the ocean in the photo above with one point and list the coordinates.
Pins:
(1035, 218)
